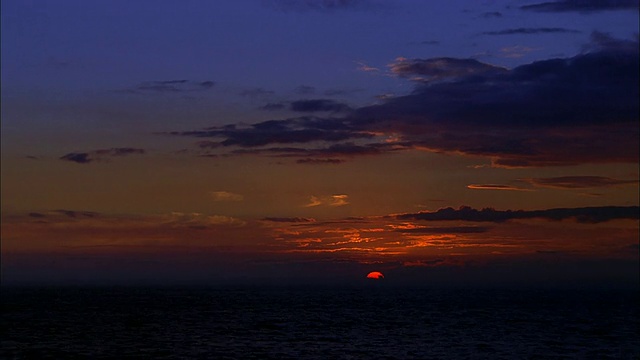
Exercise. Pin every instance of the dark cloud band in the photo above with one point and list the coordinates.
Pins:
(582, 215)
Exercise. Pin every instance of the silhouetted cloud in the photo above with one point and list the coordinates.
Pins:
(554, 112)
(495, 187)
(578, 182)
(305, 90)
(582, 215)
(76, 214)
(426, 42)
(530, 31)
(318, 105)
(491, 14)
(256, 92)
(273, 106)
(445, 230)
(582, 5)
(600, 41)
(100, 155)
(289, 219)
(172, 86)
(80, 158)
(322, 5)
(319, 161)
(310, 106)
(322, 155)
(293, 130)
(342, 92)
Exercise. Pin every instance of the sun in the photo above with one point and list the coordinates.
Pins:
(376, 275)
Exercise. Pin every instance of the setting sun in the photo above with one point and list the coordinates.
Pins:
(375, 275)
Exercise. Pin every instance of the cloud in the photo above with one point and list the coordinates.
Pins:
(581, 215)
(317, 105)
(305, 90)
(440, 68)
(324, 154)
(495, 187)
(293, 130)
(342, 92)
(172, 86)
(76, 214)
(100, 155)
(366, 68)
(491, 14)
(319, 161)
(555, 112)
(578, 182)
(310, 106)
(530, 31)
(273, 106)
(547, 113)
(445, 230)
(427, 42)
(585, 6)
(322, 5)
(226, 196)
(600, 41)
(289, 219)
(256, 92)
(332, 200)
(516, 51)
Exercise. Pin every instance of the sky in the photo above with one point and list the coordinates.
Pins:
(442, 143)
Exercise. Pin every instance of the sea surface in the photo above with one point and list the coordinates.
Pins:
(317, 323)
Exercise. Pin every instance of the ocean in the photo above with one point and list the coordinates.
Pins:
(307, 322)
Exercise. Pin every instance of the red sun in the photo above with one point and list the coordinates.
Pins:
(375, 275)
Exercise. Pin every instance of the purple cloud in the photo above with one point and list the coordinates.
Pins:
(582, 5)
(554, 112)
(100, 155)
(582, 215)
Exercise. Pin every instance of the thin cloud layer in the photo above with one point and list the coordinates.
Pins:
(331, 200)
(289, 219)
(582, 5)
(100, 155)
(226, 196)
(581, 215)
(172, 86)
(578, 182)
(495, 187)
(310, 106)
(445, 230)
(322, 5)
(531, 31)
(293, 130)
(440, 68)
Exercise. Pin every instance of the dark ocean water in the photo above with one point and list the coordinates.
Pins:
(318, 323)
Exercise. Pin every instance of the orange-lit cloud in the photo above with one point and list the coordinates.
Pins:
(331, 200)
(226, 196)
(578, 182)
(496, 187)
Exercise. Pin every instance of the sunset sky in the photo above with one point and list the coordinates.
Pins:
(314, 141)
